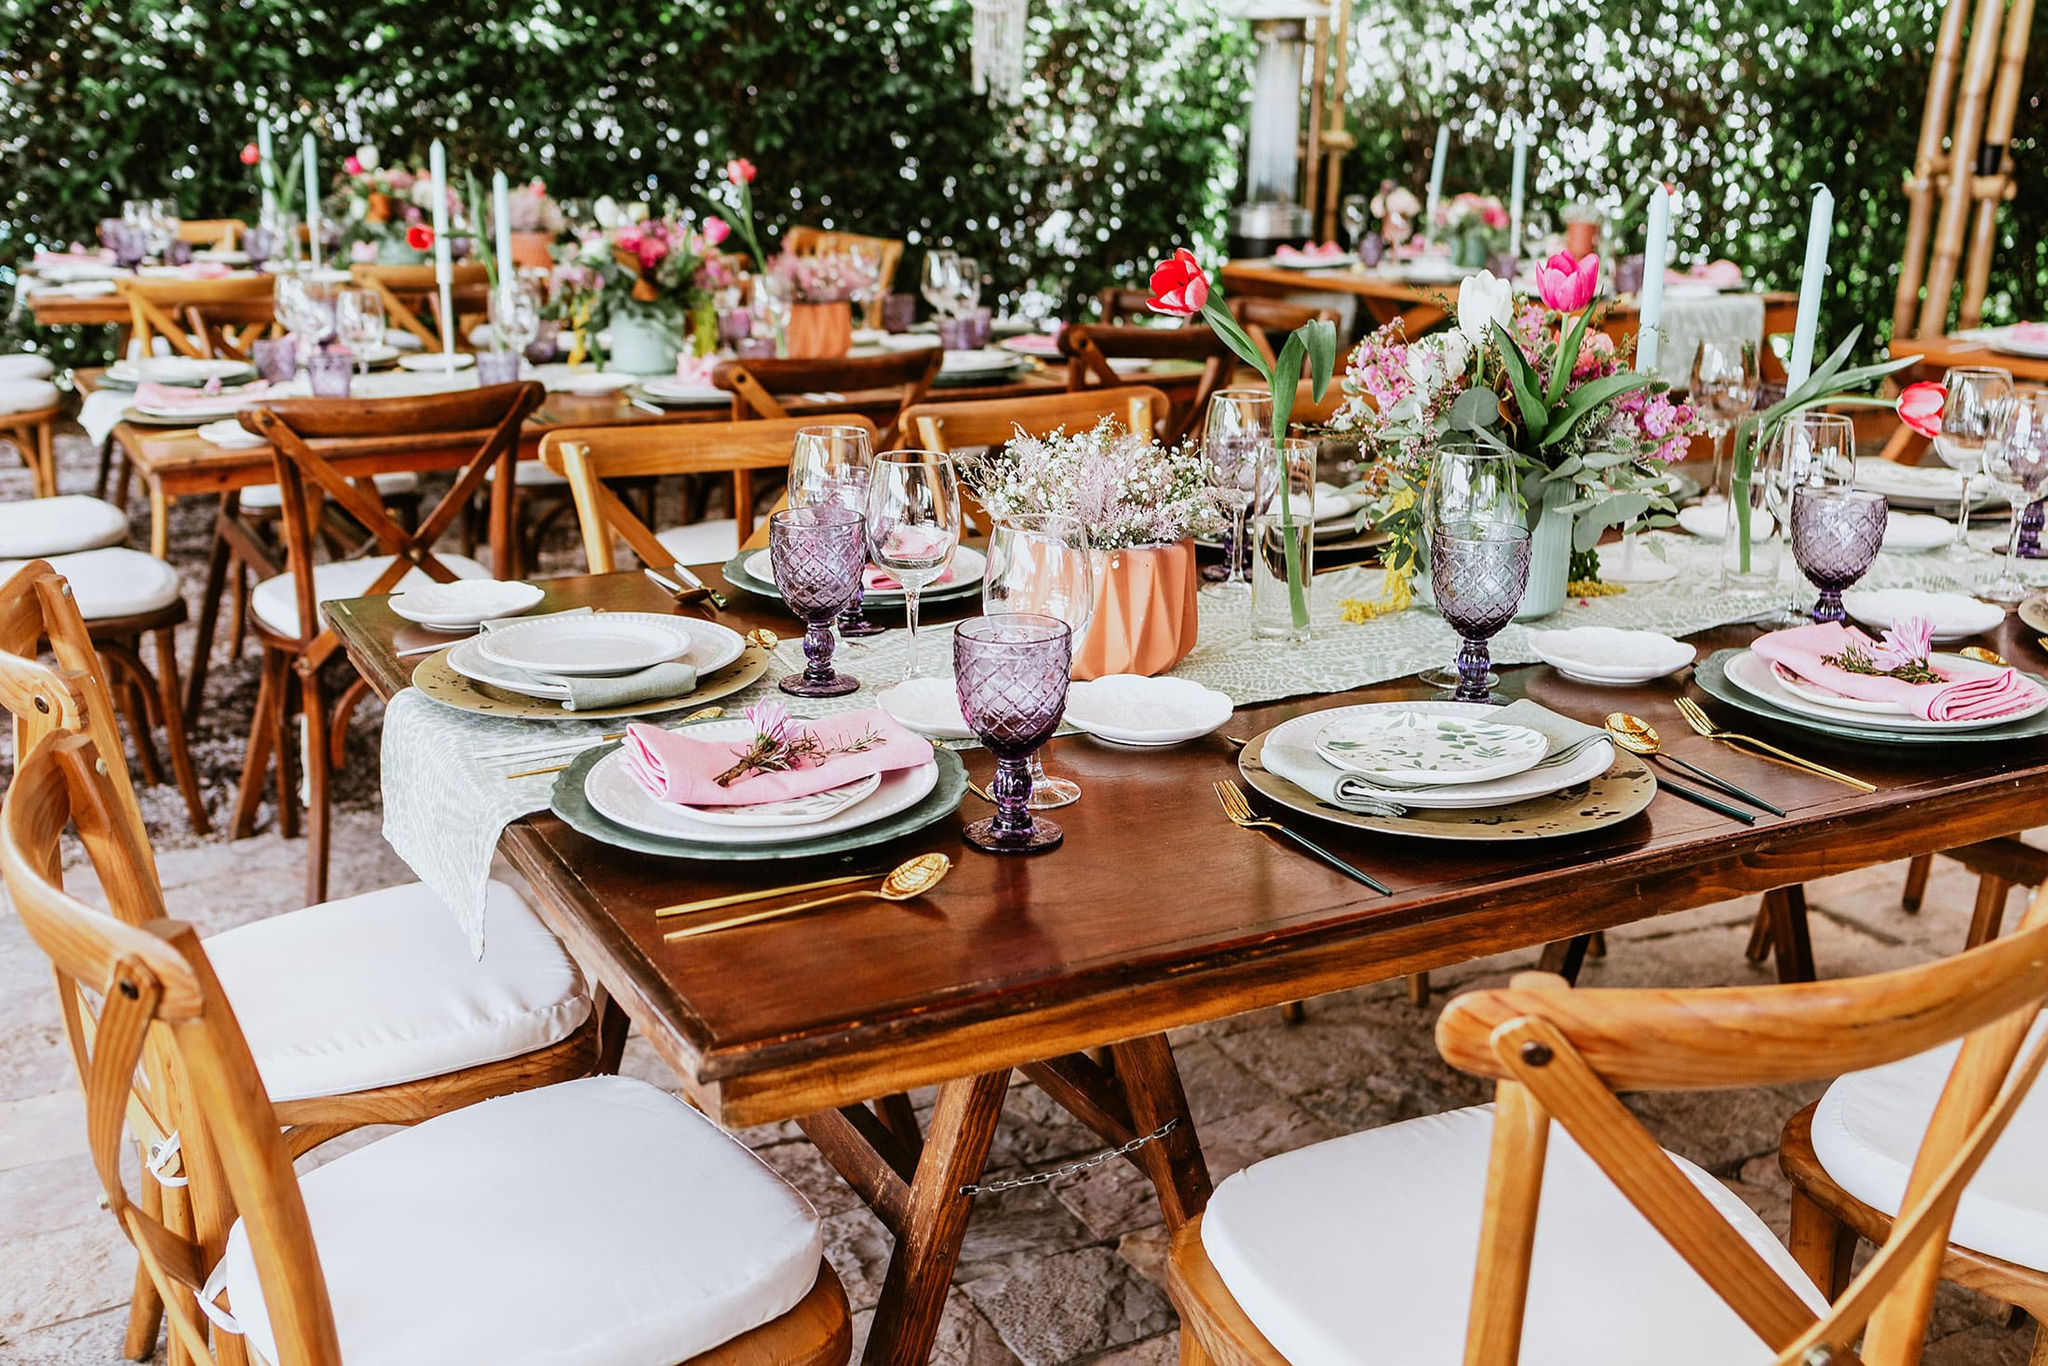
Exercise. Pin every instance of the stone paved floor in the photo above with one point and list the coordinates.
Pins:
(1066, 1273)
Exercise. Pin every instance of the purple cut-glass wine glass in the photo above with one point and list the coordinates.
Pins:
(818, 554)
(1011, 672)
(1477, 571)
(1836, 533)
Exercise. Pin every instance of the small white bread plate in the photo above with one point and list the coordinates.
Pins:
(929, 706)
(430, 361)
(1410, 745)
(467, 603)
(1954, 616)
(1610, 656)
(1130, 709)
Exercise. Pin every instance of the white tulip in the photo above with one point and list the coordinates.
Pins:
(606, 212)
(1482, 302)
(637, 212)
(366, 157)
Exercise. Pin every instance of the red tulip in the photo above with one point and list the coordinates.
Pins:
(1179, 288)
(419, 237)
(250, 156)
(1920, 407)
(352, 164)
(1567, 283)
(740, 171)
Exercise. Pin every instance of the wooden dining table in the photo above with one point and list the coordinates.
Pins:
(1155, 913)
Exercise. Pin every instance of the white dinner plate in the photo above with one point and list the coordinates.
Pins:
(1954, 616)
(596, 382)
(1909, 533)
(1589, 764)
(1752, 673)
(1335, 261)
(1409, 745)
(960, 364)
(1609, 656)
(180, 370)
(430, 361)
(669, 389)
(467, 603)
(809, 810)
(375, 353)
(1436, 270)
(929, 706)
(1131, 709)
(617, 795)
(595, 645)
(229, 434)
(1709, 522)
(2013, 342)
(203, 411)
(1918, 486)
(968, 566)
(711, 647)
(909, 341)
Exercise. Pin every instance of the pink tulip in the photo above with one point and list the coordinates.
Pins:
(352, 165)
(715, 231)
(1567, 284)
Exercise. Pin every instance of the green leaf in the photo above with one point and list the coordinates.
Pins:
(1567, 357)
(1589, 396)
(1236, 338)
(1322, 355)
(1475, 410)
(1535, 416)
(1286, 378)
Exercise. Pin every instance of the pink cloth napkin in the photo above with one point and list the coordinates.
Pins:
(680, 768)
(178, 396)
(73, 258)
(1969, 699)
(881, 580)
(1724, 273)
(695, 370)
(2030, 332)
(1320, 251)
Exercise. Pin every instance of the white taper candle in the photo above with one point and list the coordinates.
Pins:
(444, 266)
(264, 173)
(501, 220)
(1436, 177)
(1515, 193)
(1650, 298)
(1812, 282)
(310, 155)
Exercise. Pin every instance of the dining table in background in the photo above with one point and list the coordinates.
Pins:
(1154, 914)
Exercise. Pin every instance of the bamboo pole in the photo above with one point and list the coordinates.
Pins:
(1964, 141)
(1311, 151)
(1337, 138)
(2005, 100)
(1927, 163)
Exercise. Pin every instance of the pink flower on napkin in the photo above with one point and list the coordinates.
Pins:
(677, 767)
(1909, 641)
(695, 371)
(177, 396)
(1805, 650)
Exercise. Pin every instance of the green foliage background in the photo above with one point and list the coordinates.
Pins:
(859, 114)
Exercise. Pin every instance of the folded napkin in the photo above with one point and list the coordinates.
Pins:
(881, 580)
(1803, 648)
(1308, 770)
(73, 258)
(1320, 251)
(176, 396)
(680, 768)
(1724, 273)
(2030, 332)
(696, 370)
(662, 681)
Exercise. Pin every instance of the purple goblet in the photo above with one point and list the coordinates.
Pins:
(259, 244)
(818, 553)
(1836, 533)
(275, 358)
(497, 367)
(1011, 672)
(129, 244)
(1477, 571)
(849, 489)
(177, 252)
(330, 369)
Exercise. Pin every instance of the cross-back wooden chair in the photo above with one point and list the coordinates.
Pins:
(200, 318)
(411, 295)
(33, 429)
(156, 1041)
(888, 252)
(1555, 1054)
(760, 386)
(589, 457)
(1090, 347)
(326, 451)
(222, 233)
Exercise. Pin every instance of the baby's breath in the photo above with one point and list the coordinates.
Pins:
(1125, 489)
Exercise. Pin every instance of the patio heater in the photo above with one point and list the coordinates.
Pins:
(1272, 213)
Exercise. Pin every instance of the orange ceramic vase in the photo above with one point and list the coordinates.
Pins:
(820, 331)
(1145, 616)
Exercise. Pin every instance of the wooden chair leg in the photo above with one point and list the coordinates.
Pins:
(1823, 1245)
(209, 615)
(134, 703)
(612, 1028)
(145, 1307)
(263, 740)
(238, 630)
(46, 461)
(124, 478)
(1759, 946)
(1596, 944)
(1989, 912)
(1915, 890)
(313, 706)
(899, 1117)
(1191, 1353)
(290, 741)
(99, 481)
(1418, 988)
(1789, 938)
(351, 697)
(2039, 1356)
(1565, 956)
(175, 739)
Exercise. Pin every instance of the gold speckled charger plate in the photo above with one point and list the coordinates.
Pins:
(1619, 793)
(2034, 611)
(433, 677)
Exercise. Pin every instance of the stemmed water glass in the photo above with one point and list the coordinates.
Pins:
(2016, 458)
(913, 525)
(940, 281)
(306, 306)
(1974, 395)
(1836, 533)
(1477, 571)
(1471, 483)
(818, 554)
(1357, 212)
(1237, 450)
(832, 465)
(515, 314)
(1816, 451)
(1724, 388)
(1011, 674)
(1041, 564)
(359, 322)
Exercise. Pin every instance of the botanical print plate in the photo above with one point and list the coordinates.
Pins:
(818, 806)
(1620, 793)
(438, 679)
(1298, 735)
(1413, 746)
(597, 644)
(967, 568)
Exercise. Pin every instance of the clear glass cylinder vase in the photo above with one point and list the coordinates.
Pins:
(1283, 541)
(1752, 543)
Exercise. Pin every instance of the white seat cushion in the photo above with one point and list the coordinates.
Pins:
(275, 600)
(702, 542)
(599, 1222)
(268, 497)
(114, 582)
(23, 365)
(1868, 1128)
(1362, 1249)
(26, 395)
(31, 528)
(531, 474)
(384, 988)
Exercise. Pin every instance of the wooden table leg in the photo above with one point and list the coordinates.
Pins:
(928, 1243)
(159, 521)
(1789, 938)
(1151, 1086)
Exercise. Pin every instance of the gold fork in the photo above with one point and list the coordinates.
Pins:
(1239, 808)
(1703, 725)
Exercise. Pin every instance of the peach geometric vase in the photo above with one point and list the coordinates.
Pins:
(1145, 614)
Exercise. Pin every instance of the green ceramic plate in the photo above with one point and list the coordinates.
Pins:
(568, 802)
(735, 571)
(1711, 674)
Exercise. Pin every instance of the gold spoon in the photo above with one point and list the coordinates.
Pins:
(701, 714)
(764, 638)
(1984, 656)
(1638, 736)
(909, 879)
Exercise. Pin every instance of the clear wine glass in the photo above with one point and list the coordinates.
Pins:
(515, 313)
(1011, 672)
(1357, 213)
(306, 306)
(2016, 458)
(1042, 564)
(939, 282)
(967, 286)
(1724, 388)
(913, 525)
(1974, 393)
(359, 321)
(1237, 447)
(1813, 450)
(832, 465)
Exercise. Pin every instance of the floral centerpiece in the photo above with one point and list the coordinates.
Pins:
(1475, 225)
(1140, 504)
(385, 211)
(641, 280)
(820, 290)
(1395, 209)
(1530, 376)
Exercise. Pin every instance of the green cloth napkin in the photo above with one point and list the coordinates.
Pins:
(656, 684)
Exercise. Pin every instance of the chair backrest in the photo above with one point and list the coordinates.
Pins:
(156, 1044)
(1119, 305)
(224, 233)
(587, 456)
(1559, 1054)
(888, 251)
(1089, 348)
(954, 427)
(758, 386)
(200, 318)
(1259, 317)
(312, 438)
(409, 291)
